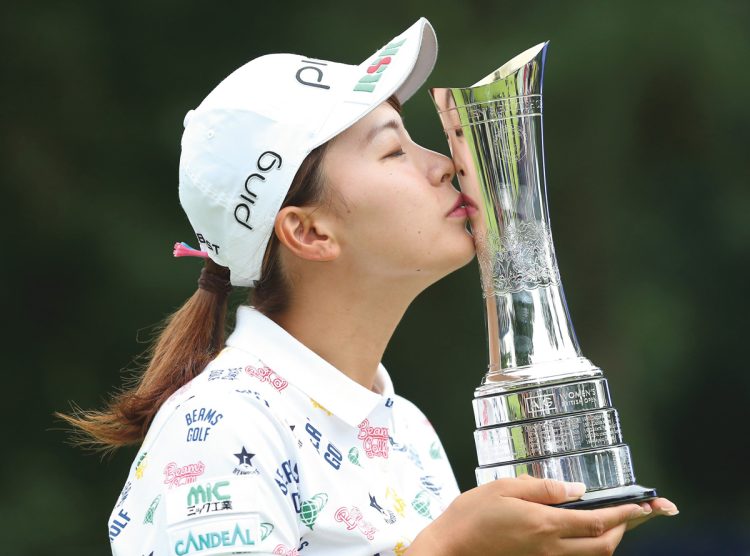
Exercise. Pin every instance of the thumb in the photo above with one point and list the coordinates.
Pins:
(541, 491)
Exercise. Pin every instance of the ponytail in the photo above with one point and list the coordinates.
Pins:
(190, 339)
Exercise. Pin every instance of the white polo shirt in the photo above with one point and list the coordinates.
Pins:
(272, 450)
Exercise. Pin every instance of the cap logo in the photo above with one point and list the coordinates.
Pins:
(266, 162)
(317, 73)
(383, 58)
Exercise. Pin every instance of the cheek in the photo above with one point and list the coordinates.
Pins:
(391, 211)
(405, 217)
(382, 227)
(388, 201)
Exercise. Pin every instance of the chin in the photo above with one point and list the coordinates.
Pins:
(468, 250)
(459, 259)
(466, 259)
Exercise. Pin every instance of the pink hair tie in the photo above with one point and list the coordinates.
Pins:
(182, 249)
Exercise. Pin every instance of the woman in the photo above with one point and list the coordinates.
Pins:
(301, 181)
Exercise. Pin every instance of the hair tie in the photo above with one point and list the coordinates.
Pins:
(214, 278)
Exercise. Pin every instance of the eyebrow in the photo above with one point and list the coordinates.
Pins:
(390, 124)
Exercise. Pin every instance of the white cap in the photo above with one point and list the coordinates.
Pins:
(245, 142)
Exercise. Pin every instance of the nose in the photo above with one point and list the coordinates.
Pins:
(441, 169)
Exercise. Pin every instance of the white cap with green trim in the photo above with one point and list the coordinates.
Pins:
(244, 143)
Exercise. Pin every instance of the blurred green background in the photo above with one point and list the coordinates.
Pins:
(646, 122)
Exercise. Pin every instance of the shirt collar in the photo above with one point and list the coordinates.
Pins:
(298, 364)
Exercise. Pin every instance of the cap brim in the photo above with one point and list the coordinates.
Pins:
(398, 69)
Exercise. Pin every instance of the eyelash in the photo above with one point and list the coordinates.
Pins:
(397, 153)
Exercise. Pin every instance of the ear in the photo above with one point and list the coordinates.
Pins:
(307, 233)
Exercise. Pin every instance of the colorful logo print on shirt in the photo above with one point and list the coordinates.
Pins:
(388, 515)
(332, 454)
(287, 475)
(421, 504)
(430, 483)
(354, 456)
(140, 466)
(175, 475)
(316, 405)
(310, 509)
(124, 494)
(118, 523)
(409, 450)
(265, 530)
(208, 498)
(374, 439)
(200, 421)
(255, 395)
(368, 81)
(435, 450)
(245, 466)
(204, 538)
(221, 499)
(266, 374)
(149, 517)
(283, 550)
(224, 374)
(352, 518)
(398, 503)
(400, 549)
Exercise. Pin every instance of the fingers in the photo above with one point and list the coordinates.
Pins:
(648, 514)
(654, 508)
(594, 523)
(664, 506)
(541, 491)
(604, 544)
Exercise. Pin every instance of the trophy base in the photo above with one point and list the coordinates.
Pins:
(611, 497)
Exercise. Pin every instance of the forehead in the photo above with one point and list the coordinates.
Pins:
(358, 132)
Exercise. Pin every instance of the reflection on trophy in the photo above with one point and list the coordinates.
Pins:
(542, 409)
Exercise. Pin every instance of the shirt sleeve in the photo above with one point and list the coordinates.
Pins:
(230, 475)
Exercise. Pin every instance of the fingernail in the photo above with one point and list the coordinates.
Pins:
(575, 490)
(671, 511)
(647, 509)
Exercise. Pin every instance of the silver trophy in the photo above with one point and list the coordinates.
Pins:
(542, 409)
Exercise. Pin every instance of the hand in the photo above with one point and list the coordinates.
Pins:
(510, 517)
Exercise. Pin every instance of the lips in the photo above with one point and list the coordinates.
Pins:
(464, 206)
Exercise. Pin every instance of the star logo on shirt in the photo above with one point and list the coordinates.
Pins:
(245, 466)
(244, 456)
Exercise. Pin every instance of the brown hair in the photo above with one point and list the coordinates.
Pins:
(194, 334)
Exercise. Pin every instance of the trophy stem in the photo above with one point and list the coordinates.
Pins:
(529, 335)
